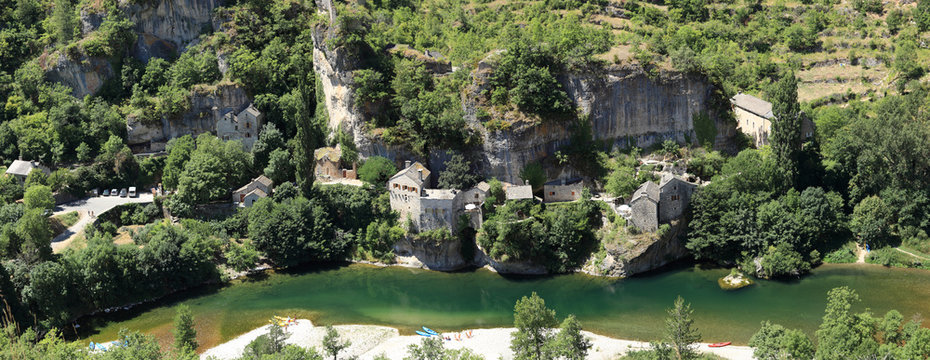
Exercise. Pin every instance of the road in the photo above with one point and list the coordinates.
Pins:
(85, 207)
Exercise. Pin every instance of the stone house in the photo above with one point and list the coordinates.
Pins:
(250, 193)
(20, 169)
(329, 165)
(477, 194)
(653, 204)
(426, 209)
(518, 192)
(406, 188)
(563, 190)
(754, 118)
(243, 126)
(644, 207)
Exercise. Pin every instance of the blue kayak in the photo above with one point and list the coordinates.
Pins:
(430, 331)
(423, 333)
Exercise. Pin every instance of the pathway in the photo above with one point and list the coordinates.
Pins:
(861, 253)
(912, 254)
(84, 207)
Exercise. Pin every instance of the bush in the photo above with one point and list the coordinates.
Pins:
(377, 170)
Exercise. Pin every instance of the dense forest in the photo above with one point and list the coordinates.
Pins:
(856, 68)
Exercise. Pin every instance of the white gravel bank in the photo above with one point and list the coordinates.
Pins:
(369, 341)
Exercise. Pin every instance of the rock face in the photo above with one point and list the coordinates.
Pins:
(444, 256)
(645, 253)
(207, 107)
(508, 267)
(84, 76)
(624, 107)
(166, 27)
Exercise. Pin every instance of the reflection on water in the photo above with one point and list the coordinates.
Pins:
(409, 298)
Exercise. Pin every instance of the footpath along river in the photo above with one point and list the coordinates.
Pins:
(405, 298)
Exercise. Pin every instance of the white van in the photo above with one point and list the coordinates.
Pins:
(132, 191)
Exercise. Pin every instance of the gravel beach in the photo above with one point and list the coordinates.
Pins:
(369, 341)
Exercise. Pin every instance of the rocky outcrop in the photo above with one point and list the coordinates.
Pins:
(333, 66)
(509, 267)
(445, 256)
(166, 27)
(624, 106)
(642, 253)
(208, 105)
(84, 76)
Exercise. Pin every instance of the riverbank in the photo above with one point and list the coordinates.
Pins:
(370, 341)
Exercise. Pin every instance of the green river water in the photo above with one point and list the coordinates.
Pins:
(631, 308)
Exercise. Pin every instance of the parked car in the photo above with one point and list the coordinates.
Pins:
(106, 192)
(132, 191)
(96, 192)
(114, 192)
(123, 193)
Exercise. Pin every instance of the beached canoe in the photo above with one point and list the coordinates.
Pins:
(720, 344)
(430, 331)
(423, 333)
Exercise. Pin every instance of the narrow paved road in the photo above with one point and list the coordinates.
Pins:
(84, 207)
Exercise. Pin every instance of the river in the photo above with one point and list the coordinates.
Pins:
(631, 308)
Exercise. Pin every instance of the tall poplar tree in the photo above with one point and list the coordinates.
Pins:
(786, 127)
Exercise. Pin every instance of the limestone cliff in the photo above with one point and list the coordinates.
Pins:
(84, 75)
(166, 27)
(444, 256)
(208, 105)
(623, 105)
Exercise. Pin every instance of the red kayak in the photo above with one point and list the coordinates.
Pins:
(720, 344)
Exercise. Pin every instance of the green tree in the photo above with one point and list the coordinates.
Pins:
(842, 334)
(786, 128)
(241, 257)
(269, 140)
(906, 62)
(36, 177)
(279, 167)
(458, 174)
(680, 331)
(185, 336)
(871, 222)
(84, 153)
(774, 342)
(332, 344)
(534, 322)
(36, 236)
(570, 343)
(922, 15)
(63, 21)
(430, 348)
(39, 197)
(179, 152)
(535, 174)
(377, 170)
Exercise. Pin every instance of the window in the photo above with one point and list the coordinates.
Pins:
(248, 125)
(553, 193)
(237, 127)
(248, 135)
(476, 196)
(573, 193)
(405, 187)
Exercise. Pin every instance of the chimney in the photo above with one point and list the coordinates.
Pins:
(406, 164)
(420, 172)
